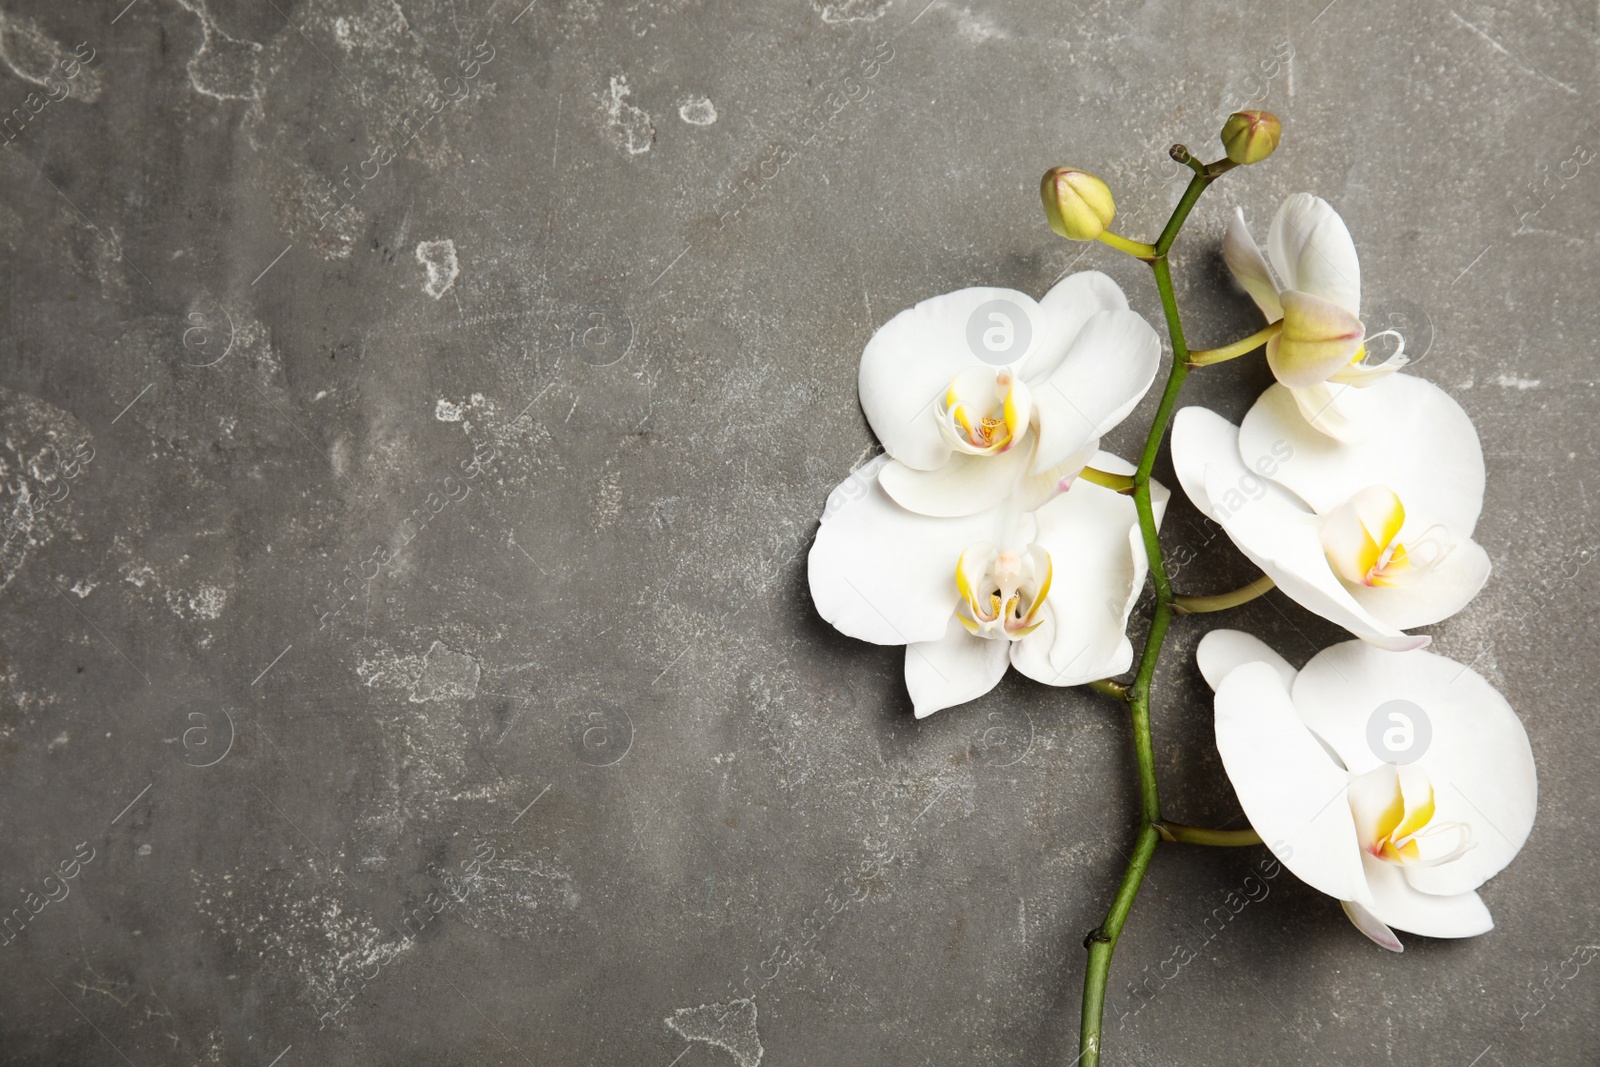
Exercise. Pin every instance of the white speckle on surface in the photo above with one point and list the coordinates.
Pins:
(439, 259)
(43, 449)
(445, 411)
(731, 1027)
(59, 740)
(32, 55)
(836, 12)
(698, 111)
(83, 587)
(1510, 381)
(339, 456)
(380, 27)
(143, 850)
(223, 67)
(630, 126)
(302, 931)
(203, 602)
(446, 675)
(974, 27)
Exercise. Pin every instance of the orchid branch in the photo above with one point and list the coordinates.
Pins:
(1199, 835)
(1136, 249)
(1117, 483)
(1102, 941)
(1194, 605)
(1111, 688)
(1243, 347)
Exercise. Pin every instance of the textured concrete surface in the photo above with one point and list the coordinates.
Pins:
(415, 418)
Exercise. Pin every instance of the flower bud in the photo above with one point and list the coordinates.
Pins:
(1250, 136)
(1077, 204)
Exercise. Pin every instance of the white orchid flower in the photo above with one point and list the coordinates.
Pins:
(1044, 582)
(1373, 534)
(1397, 783)
(1320, 355)
(975, 389)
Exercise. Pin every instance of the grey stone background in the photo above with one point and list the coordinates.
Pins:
(242, 346)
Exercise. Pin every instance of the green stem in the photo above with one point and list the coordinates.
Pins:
(1180, 214)
(1137, 249)
(1194, 605)
(1120, 483)
(1199, 835)
(1180, 154)
(1111, 688)
(1243, 347)
(1102, 943)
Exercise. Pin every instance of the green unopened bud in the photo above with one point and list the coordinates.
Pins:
(1250, 136)
(1078, 205)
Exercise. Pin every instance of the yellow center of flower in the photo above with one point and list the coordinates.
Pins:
(1394, 810)
(1002, 592)
(1361, 538)
(984, 410)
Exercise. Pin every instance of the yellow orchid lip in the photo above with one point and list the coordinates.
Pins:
(1002, 592)
(1394, 808)
(1361, 539)
(984, 410)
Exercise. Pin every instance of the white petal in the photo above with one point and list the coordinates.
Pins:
(1371, 926)
(1283, 541)
(1271, 527)
(1244, 259)
(1397, 904)
(1427, 598)
(1031, 656)
(953, 670)
(909, 362)
(1413, 438)
(1292, 792)
(1037, 490)
(1201, 437)
(1319, 339)
(1220, 651)
(964, 485)
(1070, 303)
(1105, 373)
(1089, 532)
(1332, 408)
(1477, 754)
(1312, 251)
(880, 573)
